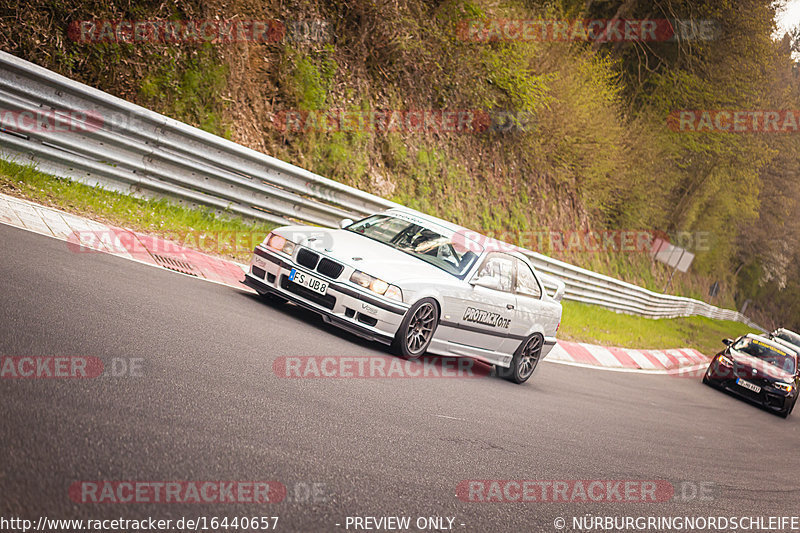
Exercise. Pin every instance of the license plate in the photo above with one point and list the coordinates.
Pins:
(748, 385)
(315, 284)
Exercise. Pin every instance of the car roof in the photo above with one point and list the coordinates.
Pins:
(784, 330)
(769, 342)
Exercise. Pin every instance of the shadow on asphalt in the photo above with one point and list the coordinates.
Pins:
(315, 320)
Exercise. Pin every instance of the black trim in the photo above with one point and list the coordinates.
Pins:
(336, 286)
(269, 257)
(257, 284)
(259, 272)
(481, 330)
(355, 329)
(355, 294)
(553, 342)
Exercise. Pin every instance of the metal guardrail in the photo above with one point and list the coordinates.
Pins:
(592, 288)
(127, 148)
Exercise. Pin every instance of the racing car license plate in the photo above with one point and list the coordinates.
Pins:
(315, 284)
(748, 385)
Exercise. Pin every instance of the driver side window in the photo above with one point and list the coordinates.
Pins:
(526, 281)
(499, 266)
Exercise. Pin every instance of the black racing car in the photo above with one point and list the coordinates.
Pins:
(758, 369)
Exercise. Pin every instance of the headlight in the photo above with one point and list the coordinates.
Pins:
(724, 361)
(276, 242)
(359, 278)
(785, 387)
(376, 285)
(394, 293)
(379, 286)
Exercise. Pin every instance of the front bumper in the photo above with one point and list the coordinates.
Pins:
(343, 305)
(725, 378)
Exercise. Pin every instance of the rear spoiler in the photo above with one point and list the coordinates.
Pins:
(555, 287)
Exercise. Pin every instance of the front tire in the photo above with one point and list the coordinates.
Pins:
(525, 360)
(416, 330)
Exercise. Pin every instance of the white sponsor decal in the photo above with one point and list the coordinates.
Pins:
(487, 318)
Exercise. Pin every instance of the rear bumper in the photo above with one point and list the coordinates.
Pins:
(549, 343)
(343, 306)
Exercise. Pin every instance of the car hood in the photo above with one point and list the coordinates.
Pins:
(362, 253)
(762, 368)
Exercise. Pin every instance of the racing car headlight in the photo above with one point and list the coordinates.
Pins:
(724, 361)
(359, 278)
(276, 242)
(785, 387)
(376, 285)
(394, 293)
(379, 286)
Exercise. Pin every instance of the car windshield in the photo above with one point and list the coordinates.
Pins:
(788, 336)
(423, 240)
(773, 356)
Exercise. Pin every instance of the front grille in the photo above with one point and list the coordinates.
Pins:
(259, 272)
(307, 258)
(325, 266)
(747, 393)
(327, 301)
(329, 268)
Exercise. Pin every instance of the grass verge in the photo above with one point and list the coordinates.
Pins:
(155, 217)
(596, 325)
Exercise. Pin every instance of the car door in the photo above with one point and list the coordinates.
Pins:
(529, 309)
(483, 315)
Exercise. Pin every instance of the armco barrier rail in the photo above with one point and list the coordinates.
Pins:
(127, 148)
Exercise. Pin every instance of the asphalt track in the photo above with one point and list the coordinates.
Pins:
(207, 406)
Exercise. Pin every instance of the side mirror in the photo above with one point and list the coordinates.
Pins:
(727, 342)
(345, 222)
(490, 282)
